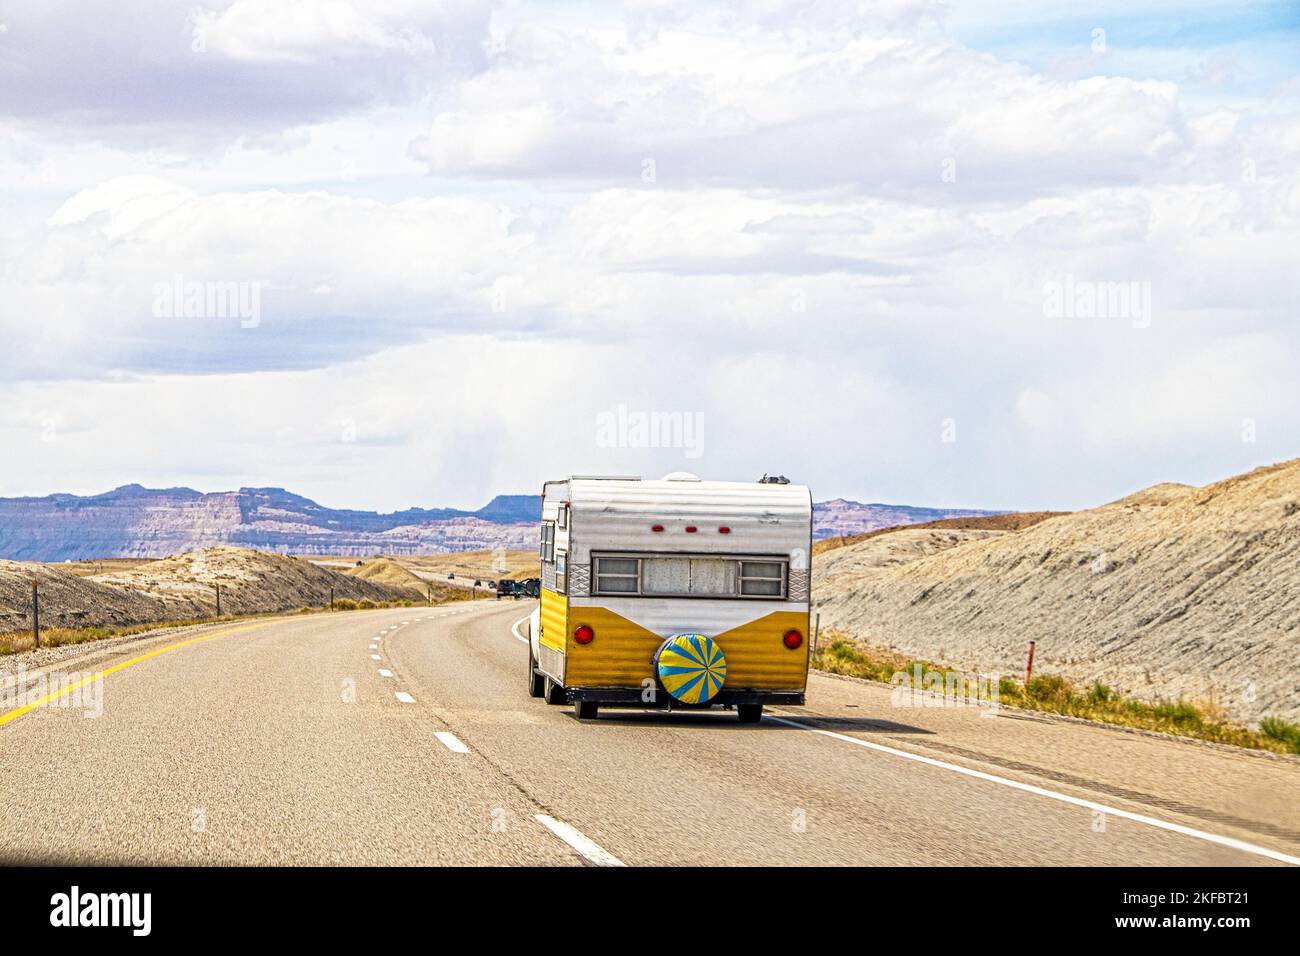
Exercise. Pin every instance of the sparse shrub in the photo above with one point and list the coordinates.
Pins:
(1099, 693)
(1179, 713)
(1050, 688)
(366, 604)
(1283, 731)
(345, 604)
(845, 652)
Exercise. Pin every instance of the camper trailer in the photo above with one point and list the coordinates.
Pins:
(673, 593)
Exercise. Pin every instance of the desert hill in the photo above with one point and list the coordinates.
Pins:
(183, 587)
(1172, 591)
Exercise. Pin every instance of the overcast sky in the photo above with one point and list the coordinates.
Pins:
(471, 244)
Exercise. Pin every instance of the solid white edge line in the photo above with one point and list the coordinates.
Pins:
(1235, 844)
(451, 742)
(404, 697)
(586, 848)
(514, 628)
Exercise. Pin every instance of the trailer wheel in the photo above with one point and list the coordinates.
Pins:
(554, 693)
(749, 713)
(585, 709)
(536, 682)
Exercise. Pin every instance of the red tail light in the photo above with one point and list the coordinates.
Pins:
(583, 634)
(792, 639)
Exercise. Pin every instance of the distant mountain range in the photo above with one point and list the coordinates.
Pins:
(133, 521)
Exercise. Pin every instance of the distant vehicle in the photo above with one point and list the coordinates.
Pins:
(451, 577)
(478, 583)
(504, 588)
(694, 590)
(533, 587)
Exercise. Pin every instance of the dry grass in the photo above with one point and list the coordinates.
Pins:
(1051, 693)
(85, 569)
(477, 565)
(1015, 521)
(15, 642)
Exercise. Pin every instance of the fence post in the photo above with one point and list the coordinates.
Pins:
(1029, 668)
(817, 630)
(218, 600)
(36, 615)
(331, 598)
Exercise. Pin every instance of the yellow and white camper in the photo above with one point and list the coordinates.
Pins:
(672, 593)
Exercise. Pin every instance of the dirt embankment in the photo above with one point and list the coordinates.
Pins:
(1171, 592)
(1012, 521)
(404, 585)
(182, 588)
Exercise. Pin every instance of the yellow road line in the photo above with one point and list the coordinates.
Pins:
(19, 711)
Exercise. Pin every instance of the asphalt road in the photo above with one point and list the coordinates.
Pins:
(406, 737)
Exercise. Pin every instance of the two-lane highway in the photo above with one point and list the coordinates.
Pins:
(406, 736)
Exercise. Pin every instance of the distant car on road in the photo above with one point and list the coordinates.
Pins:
(451, 577)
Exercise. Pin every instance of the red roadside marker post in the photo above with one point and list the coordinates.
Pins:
(1029, 668)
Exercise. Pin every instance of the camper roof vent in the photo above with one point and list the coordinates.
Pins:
(774, 480)
(681, 476)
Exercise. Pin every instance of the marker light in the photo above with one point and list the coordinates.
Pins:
(656, 527)
(584, 634)
(724, 530)
(691, 529)
(792, 639)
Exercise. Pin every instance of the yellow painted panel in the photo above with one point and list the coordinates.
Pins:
(621, 654)
(555, 624)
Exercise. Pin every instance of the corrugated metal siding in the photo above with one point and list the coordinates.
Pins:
(621, 654)
(618, 515)
(555, 626)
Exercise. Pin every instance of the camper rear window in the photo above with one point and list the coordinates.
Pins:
(689, 576)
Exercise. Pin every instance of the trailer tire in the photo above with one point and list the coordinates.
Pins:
(554, 693)
(749, 713)
(536, 682)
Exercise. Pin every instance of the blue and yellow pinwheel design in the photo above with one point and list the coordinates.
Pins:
(691, 667)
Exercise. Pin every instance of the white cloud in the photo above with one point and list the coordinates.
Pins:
(800, 264)
(303, 31)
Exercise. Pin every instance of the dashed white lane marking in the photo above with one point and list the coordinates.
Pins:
(590, 851)
(385, 673)
(515, 631)
(451, 742)
(374, 647)
(376, 657)
(404, 697)
(1053, 795)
